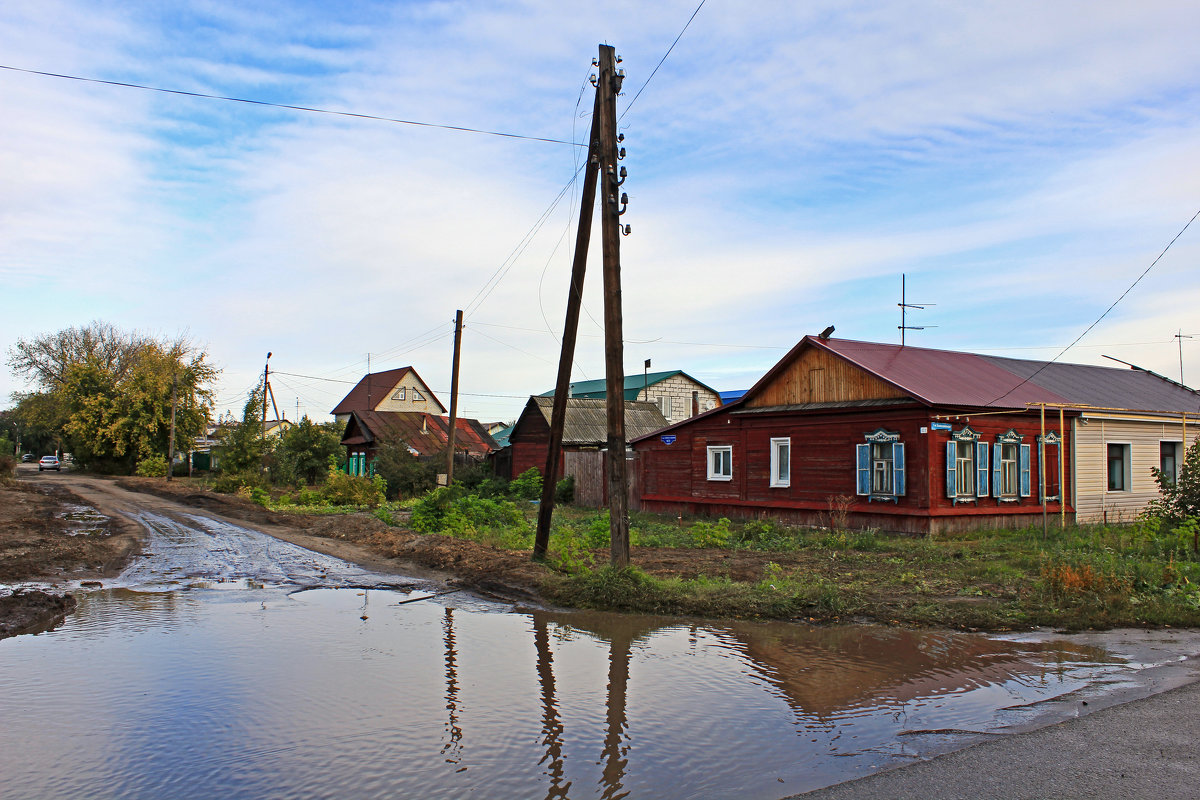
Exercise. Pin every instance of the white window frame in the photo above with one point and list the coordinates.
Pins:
(964, 469)
(399, 395)
(417, 396)
(781, 467)
(725, 469)
(1178, 445)
(1127, 467)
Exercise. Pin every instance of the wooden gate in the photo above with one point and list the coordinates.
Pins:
(588, 469)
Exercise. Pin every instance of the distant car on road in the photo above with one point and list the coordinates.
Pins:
(25, 459)
(49, 462)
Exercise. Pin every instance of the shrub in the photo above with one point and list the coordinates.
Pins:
(230, 482)
(341, 489)
(447, 510)
(527, 485)
(152, 467)
(8, 465)
(711, 534)
(564, 490)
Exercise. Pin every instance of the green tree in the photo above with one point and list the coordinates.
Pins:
(242, 447)
(105, 395)
(1179, 498)
(406, 475)
(303, 451)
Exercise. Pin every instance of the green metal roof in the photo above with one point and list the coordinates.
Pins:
(634, 384)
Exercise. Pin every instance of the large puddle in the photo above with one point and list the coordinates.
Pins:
(228, 664)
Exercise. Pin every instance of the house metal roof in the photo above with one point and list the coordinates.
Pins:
(586, 422)
(377, 385)
(425, 433)
(634, 385)
(950, 378)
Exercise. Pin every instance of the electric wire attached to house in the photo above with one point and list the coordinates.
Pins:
(1086, 331)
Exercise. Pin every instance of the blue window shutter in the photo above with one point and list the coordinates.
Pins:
(863, 452)
(1025, 486)
(981, 469)
(951, 491)
(996, 452)
(898, 467)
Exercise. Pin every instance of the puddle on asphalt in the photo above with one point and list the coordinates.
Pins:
(227, 664)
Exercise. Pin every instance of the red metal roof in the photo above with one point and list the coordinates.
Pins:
(378, 384)
(425, 433)
(942, 377)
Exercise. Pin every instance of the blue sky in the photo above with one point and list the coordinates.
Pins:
(1022, 163)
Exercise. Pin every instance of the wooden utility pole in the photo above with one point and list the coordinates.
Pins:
(562, 387)
(266, 388)
(453, 398)
(171, 444)
(609, 86)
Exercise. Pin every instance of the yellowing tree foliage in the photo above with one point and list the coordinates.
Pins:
(106, 394)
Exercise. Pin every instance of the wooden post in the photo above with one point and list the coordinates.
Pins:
(1062, 469)
(562, 386)
(171, 445)
(453, 398)
(608, 86)
(1042, 470)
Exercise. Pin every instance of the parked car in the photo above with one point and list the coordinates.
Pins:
(27, 458)
(49, 462)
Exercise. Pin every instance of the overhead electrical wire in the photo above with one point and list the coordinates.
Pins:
(286, 106)
(661, 60)
(1087, 330)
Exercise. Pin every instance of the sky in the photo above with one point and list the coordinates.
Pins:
(1020, 163)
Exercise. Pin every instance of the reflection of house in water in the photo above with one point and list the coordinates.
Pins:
(826, 672)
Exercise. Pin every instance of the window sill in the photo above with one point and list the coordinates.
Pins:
(781, 485)
(883, 498)
(720, 477)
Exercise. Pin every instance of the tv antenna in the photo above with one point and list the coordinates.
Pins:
(1180, 336)
(904, 307)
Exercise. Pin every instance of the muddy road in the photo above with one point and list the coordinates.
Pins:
(63, 531)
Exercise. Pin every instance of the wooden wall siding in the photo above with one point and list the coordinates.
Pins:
(1095, 502)
(383, 398)
(988, 428)
(820, 377)
(674, 477)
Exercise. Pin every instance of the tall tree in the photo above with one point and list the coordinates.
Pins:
(105, 395)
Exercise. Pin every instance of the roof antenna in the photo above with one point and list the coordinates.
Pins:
(825, 334)
(904, 306)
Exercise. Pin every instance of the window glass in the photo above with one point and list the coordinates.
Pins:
(964, 465)
(781, 458)
(1008, 470)
(417, 396)
(720, 463)
(1168, 460)
(1116, 467)
(881, 468)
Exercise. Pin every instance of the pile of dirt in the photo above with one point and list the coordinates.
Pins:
(32, 612)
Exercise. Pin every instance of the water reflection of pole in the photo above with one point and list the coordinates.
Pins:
(452, 749)
(615, 747)
(551, 724)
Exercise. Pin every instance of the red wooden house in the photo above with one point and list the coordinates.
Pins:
(911, 439)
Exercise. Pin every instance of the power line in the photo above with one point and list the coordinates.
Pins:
(661, 60)
(1105, 314)
(307, 109)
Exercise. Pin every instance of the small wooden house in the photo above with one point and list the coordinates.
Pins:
(425, 436)
(918, 440)
(585, 428)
